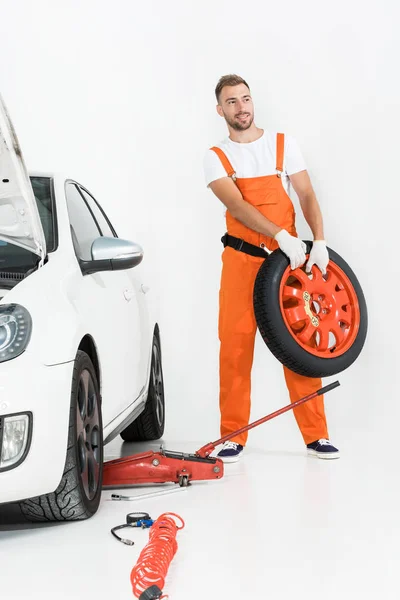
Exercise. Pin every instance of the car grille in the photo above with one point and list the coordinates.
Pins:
(4, 276)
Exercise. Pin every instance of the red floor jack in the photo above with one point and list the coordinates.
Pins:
(176, 467)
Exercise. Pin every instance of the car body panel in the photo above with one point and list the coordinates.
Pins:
(42, 469)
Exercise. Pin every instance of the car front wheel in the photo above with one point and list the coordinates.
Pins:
(78, 494)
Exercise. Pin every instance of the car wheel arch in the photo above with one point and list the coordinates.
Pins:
(88, 345)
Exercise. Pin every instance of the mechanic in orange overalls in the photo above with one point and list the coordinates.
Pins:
(250, 172)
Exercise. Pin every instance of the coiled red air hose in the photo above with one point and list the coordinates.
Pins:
(148, 575)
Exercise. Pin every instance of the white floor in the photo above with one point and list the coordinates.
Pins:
(279, 526)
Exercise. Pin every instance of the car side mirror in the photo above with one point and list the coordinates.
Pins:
(112, 254)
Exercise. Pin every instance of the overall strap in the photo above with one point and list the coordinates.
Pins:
(280, 145)
(225, 162)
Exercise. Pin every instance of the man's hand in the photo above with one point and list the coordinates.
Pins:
(318, 256)
(293, 247)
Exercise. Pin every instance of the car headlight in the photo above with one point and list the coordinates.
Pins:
(15, 434)
(15, 330)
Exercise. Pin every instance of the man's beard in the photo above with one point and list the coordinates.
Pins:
(237, 125)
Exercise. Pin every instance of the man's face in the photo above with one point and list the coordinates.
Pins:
(236, 106)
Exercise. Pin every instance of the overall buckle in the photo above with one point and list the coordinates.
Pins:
(239, 245)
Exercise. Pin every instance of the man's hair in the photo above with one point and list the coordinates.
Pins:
(228, 80)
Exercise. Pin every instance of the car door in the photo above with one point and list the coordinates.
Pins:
(109, 310)
(134, 290)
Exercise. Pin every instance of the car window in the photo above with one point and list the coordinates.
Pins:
(99, 215)
(84, 229)
(42, 189)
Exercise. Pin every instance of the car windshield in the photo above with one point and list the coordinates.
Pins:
(18, 260)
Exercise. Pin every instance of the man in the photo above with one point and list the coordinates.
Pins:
(250, 172)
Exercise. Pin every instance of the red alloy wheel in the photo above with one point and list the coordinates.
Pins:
(321, 311)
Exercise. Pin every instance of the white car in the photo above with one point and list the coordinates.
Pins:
(80, 355)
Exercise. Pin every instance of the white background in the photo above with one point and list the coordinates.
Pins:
(120, 96)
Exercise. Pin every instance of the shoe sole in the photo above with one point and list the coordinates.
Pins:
(230, 459)
(324, 455)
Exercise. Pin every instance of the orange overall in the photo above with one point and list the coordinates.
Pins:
(237, 324)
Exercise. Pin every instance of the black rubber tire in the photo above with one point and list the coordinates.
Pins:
(70, 501)
(275, 333)
(150, 424)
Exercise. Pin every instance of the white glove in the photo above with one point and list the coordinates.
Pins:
(293, 247)
(318, 256)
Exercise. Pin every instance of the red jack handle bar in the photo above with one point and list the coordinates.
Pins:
(206, 450)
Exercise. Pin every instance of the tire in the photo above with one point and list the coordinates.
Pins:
(78, 495)
(150, 423)
(282, 338)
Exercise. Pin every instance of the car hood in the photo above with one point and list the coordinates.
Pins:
(19, 217)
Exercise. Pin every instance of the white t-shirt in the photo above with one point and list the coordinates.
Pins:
(254, 159)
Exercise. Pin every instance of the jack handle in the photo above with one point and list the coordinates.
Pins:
(206, 450)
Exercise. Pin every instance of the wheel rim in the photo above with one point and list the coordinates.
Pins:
(157, 384)
(321, 312)
(88, 435)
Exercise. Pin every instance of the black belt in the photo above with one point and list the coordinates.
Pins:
(242, 246)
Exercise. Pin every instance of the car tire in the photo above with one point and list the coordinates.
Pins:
(78, 495)
(151, 422)
(283, 336)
